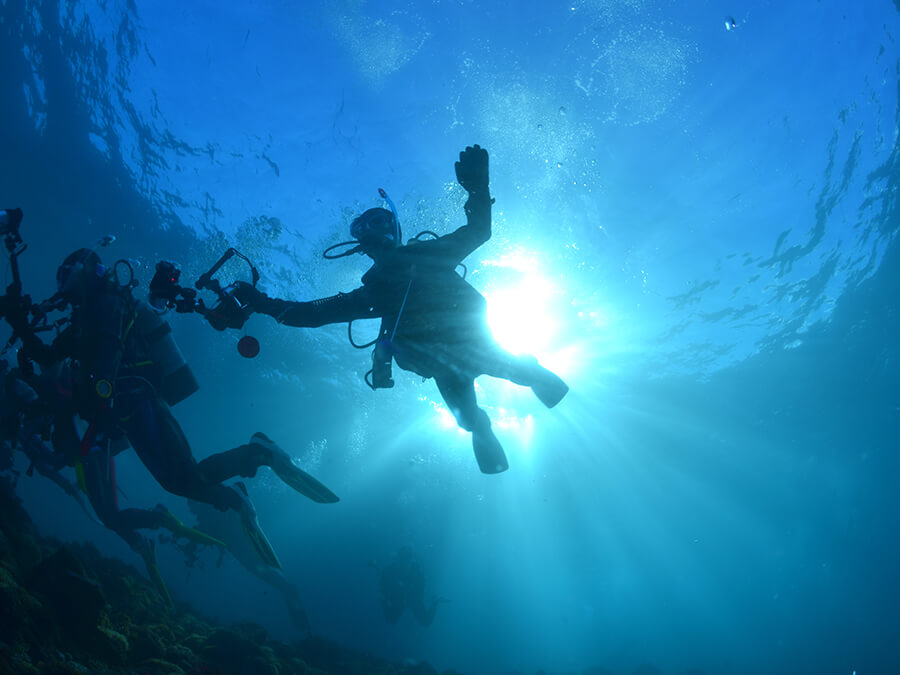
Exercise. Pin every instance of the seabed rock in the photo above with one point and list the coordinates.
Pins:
(67, 610)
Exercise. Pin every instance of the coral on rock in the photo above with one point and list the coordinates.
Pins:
(67, 609)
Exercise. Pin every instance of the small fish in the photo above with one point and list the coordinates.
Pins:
(730, 23)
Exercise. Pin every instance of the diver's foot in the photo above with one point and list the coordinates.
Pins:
(145, 548)
(549, 388)
(180, 530)
(290, 473)
(488, 452)
(255, 534)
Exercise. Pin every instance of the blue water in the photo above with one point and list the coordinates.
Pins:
(695, 227)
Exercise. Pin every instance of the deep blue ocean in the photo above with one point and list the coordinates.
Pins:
(695, 225)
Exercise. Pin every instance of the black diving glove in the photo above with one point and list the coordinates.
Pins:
(248, 295)
(472, 169)
(10, 219)
(235, 305)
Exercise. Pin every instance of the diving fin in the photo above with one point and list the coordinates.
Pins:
(547, 385)
(297, 613)
(179, 529)
(255, 534)
(488, 452)
(147, 550)
(291, 474)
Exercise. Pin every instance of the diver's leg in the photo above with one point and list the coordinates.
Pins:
(160, 443)
(101, 492)
(100, 484)
(526, 371)
(415, 596)
(158, 439)
(99, 473)
(245, 460)
(459, 395)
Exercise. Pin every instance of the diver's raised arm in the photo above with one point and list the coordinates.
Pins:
(472, 172)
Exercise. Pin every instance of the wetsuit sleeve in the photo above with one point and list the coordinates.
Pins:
(335, 309)
(46, 355)
(454, 247)
(26, 399)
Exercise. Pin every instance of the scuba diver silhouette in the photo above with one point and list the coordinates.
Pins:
(433, 322)
(25, 417)
(402, 585)
(126, 372)
(96, 472)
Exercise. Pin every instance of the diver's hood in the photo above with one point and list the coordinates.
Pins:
(373, 230)
(78, 271)
(376, 227)
(81, 272)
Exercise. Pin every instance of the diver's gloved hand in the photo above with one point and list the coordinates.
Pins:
(472, 169)
(248, 295)
(10, 219)
(253, 301)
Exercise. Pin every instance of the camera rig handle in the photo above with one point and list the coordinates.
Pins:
(14, 305)
(231, 309)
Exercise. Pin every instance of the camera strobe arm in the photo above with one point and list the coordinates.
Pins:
(231, 309)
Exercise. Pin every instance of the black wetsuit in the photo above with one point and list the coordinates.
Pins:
(104, 346)
(402, 586)
(442, 330)
(435, 321)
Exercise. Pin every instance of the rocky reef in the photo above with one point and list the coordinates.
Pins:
(67, 609)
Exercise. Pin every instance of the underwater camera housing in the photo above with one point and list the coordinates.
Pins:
(14, 305)
(165, 293)
(10, 219)
(232, 307)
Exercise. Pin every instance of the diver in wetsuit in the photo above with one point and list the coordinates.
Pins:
(432, 321)
(96, 470)
(402, 585)
(22, 423)
(118, 389)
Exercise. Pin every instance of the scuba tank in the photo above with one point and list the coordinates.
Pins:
(176, 380)
(382, 359)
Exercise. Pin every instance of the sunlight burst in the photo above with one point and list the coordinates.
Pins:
(521, 311)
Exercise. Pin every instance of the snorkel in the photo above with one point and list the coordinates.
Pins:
(384, 196)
